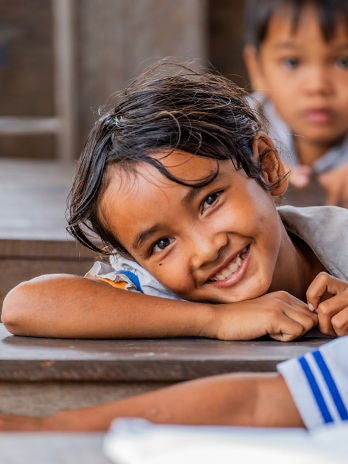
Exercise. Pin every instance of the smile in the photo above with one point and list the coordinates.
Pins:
(232, 267)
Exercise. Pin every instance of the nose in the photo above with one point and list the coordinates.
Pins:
(318, 81)
(207, 247)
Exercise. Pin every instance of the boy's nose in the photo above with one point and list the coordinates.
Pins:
(207, 248)
(318, 81)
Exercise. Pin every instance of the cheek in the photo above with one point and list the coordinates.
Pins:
(173, 273)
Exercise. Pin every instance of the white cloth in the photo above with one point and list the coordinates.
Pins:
(135, 441)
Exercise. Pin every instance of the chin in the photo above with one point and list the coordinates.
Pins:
(250, 294)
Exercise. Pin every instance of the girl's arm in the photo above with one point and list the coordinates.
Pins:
(70, 306)
(232, 399)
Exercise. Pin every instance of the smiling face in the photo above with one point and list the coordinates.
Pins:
(220, 242)
(305, 76)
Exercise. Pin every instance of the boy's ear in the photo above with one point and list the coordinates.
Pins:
(273, 170)
(253, 65)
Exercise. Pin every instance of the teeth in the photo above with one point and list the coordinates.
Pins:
(233, 267)
(230, 269)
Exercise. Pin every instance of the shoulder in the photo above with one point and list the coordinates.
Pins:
(324, 230)
(311, 217)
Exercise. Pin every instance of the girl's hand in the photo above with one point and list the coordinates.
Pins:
(277, 314)
(328, 296)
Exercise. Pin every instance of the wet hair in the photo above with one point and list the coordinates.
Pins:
(258, 14)
(168, 107)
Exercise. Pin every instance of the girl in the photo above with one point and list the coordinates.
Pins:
(176, 185)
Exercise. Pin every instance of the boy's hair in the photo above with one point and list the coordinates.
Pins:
(258, 14)
(194, 111)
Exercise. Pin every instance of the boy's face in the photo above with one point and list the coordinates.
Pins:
(304, 76)
(217, 243)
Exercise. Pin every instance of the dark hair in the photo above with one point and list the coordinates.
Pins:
(258, 14)
(199, 112)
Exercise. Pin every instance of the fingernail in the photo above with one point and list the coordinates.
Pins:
(311, 307)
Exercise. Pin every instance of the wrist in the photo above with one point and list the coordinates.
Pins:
(206, 321)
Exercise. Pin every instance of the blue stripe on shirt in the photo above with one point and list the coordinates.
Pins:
(342, 410)
(315, 390)
(133, 278)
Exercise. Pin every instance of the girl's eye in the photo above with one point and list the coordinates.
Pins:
(161, 244)
(291, 62)
(342, 62)
(210, 200)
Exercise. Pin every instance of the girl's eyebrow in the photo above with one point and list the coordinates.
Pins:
(191, 194)
(144, 236)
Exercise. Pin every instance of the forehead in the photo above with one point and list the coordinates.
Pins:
(124, 185)
(285, 23)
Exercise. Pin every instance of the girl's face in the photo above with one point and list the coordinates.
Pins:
(218, 243)
(304, 76)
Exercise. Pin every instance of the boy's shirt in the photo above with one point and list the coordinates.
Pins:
(318, 382)
(323, 228)
(283, 139)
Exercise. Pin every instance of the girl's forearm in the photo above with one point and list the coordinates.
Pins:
(71, 306)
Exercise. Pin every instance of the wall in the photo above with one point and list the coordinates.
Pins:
(114, 39)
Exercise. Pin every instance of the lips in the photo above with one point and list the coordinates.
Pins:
(319, 115)
(226, 272)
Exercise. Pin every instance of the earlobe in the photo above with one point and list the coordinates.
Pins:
(273, 169)
(252, 63)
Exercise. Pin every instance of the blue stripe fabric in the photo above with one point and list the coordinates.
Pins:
(330, 382)
(133, 278)
(315, 390)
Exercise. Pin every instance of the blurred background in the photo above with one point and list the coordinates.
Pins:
(61, 59)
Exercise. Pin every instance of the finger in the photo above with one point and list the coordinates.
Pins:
(331, 186)
(321, 285)
(333, 196)
(300, 175)
(329, 314)
(316, 290)
(340, 322)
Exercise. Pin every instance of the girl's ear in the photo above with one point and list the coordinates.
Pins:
(253, 65)
(273, 170)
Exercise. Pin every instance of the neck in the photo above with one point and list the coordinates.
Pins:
(296, 268)
(309, 151)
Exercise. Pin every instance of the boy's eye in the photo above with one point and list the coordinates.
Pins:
(291, 62)
(342, 62)
(210, 200)
(161, 244)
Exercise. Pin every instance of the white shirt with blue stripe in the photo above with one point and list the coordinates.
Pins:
(318, 382)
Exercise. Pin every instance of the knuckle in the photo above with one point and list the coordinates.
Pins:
(324, 309)
(282, 295)
(323, 275)
(339, 323)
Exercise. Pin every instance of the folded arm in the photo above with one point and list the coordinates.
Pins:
(68, 306)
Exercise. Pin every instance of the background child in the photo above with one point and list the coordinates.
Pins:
(178, 183)
(297, 58)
